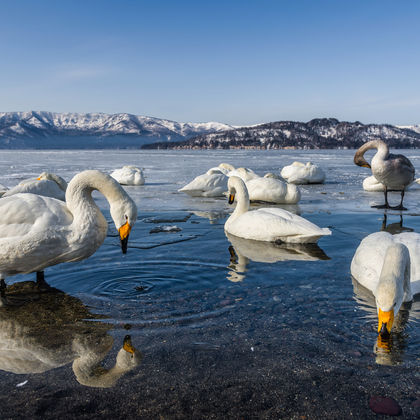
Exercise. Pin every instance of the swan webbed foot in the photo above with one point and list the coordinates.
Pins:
(382, 206)
(400, 207)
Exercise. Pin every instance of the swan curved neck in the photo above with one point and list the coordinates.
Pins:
(88, 372)
(79, 192)
(382, 152)
(241, 195)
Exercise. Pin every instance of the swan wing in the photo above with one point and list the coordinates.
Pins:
(275, 225)
(33, 232)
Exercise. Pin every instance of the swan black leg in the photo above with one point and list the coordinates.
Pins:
(386, 205)
(400, 207)
(2, 288)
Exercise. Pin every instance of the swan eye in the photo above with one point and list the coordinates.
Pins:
(126, 217)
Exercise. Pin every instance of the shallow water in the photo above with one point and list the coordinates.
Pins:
(191, 290)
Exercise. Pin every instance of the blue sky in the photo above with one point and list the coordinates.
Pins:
(239, 62)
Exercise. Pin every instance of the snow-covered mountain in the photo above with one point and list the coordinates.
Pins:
(94, 130)
(320, 133)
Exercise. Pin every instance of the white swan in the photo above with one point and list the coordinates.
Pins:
(245, 174)
(267, 224)
(128, 175)
(272, 190)
(389, 266)
(34, 338)
(211, 184)
(395, 172)
(300, 173)
(47, 185)
(37, 232)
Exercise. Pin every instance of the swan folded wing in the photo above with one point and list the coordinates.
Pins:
(268, 225)
(31, 225)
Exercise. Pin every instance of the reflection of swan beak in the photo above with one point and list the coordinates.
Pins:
(231, 198)
(127, 346)
(124, 232)
(386, 319)
(383, 343)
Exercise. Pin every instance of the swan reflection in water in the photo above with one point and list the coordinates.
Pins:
(44, 331)
(244, 250)
(394, 228)
(388, 351)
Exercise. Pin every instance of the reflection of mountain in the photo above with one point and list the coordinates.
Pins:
(244, 250)
(55, 329)
(390, 351)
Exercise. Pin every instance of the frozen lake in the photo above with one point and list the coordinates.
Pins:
(221, 334)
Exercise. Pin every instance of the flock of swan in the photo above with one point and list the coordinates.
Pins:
(39, 227)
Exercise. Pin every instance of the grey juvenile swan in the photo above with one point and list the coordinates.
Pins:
(396, 172)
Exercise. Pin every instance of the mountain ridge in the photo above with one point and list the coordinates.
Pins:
(41, 129)
(52, 130)
(318, 133)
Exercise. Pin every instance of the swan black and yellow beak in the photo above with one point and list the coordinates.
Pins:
(385, 321)
(127, 346)
(124, 232)
(38, 179)
(231, 198)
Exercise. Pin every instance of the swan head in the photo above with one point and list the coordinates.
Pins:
(359, 159)
(233, 183)
(124, 215)
(53, 177)
(128, 357)
(389, 292)
(271, 175)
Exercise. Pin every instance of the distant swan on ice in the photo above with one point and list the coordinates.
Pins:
(211, 184)
(128, 175)
(267, 224)
(300, 173)
(47, 185)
